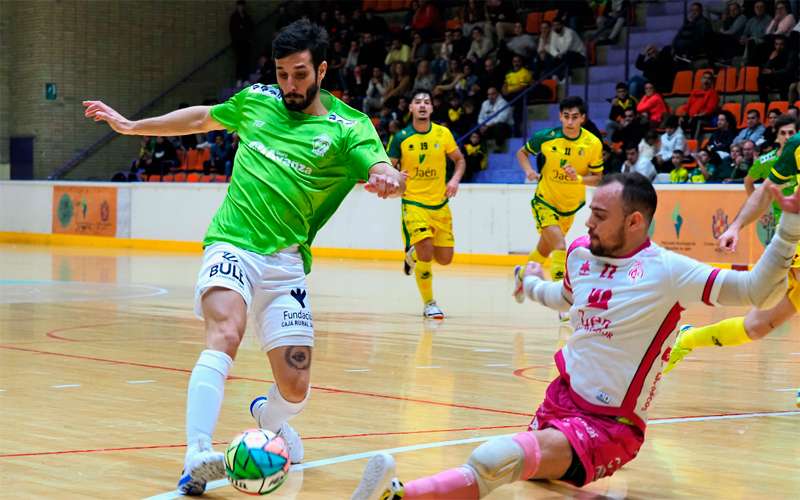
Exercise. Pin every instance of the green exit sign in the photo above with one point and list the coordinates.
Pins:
(50, 91)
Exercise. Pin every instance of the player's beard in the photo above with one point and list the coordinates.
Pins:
(611, 249)
(311, 94)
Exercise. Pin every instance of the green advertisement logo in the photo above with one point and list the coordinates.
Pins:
(65, 210)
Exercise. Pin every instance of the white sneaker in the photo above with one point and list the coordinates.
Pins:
(293, 442)
(519, 290)
(287, 432)
(409, 262)
(378, 481)
(563, 317)
(200, 468)
(432, 311)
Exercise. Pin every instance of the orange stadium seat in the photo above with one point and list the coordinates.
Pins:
(748, 80)
(758, 106)
(552, 85)
(533, 22)
(735, 108)
(782, 106)
(168, 178)
(681, 110)
(180, 177)
(203, 156)
(727, 79)
(154, 178)
(682, 84)
(797, 104)
(219, 178)
(453, 24)
(193, 177)
(181, 153)
(549, 15)
(691, 145)
(191, 160)
(205, 178)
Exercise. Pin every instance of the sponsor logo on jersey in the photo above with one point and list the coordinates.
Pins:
(258, 123)
(279, 157)
(299, 295)
(586, 268)
(338, 119)
(229, 270)
(274, 92)
(603, 397)
(636, 272)
(595, 325)
(297, 318)
(321, 144)
(652, 392)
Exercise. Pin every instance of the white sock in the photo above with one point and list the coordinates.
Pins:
(204, 398)
(277, 410)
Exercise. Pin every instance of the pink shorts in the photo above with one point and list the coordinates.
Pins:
(602, 443)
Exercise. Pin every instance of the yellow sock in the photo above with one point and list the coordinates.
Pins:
(728, 332)
(558, 259)
(424, 275)
(535, 256)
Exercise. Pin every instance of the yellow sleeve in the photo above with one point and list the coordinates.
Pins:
(596, 158)
(449, 141)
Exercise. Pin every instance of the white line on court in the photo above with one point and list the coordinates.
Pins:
(496, 365)
(788, 389)
(357, 370)
(428, 367)
(439, 444)
(483, 350)
(141, 381)
(64, 386)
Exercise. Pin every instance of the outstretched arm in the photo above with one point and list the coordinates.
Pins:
(765, 284)
(385, 181)
(551, 294)
(756, 204)
(184, 121)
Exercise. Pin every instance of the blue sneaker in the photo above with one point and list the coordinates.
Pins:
(202, 467)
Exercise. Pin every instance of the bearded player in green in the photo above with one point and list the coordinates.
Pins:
(301, 151)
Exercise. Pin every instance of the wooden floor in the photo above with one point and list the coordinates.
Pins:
(96, 346)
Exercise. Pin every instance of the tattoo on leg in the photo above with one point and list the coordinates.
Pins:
(298, 357)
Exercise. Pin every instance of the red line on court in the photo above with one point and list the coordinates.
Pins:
(520, 372)
(340, 436)
(321, 388)
(52, 333)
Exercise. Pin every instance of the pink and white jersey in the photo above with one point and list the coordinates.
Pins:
(625, 312)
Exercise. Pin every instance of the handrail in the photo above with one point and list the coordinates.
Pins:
(84, 154)
(521, 95)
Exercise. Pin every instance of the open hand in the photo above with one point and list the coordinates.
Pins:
(100, 111)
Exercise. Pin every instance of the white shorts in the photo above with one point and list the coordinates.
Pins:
(272, 286)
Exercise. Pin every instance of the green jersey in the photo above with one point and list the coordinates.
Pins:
(765, 167)
(291, 170)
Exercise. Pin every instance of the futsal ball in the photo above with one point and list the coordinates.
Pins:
(257, 462)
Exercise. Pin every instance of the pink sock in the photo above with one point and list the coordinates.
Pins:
(457, 484)
(533, 455)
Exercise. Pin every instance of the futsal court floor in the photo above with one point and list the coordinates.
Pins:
(96, 347)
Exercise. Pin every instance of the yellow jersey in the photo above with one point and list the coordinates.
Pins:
(584, 154)
(423, 156)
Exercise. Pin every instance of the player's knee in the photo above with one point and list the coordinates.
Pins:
(295, 389)
(496, 462)
(225, 335)
(444, 259)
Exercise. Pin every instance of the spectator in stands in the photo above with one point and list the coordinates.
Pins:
(492, 75)
(722, 138)
(143, 165)
(461, 45)
(164, 156)
(731, 32)
(401, 113)
(439, 65)
(481, 45)
(609, 23)
(376, 90)
(241, 29)
(516, 81)
(622, 101)
(473, 14)
(649, 145)
(352, 58)
(740, 162)
(357, 84)
(498, 128)
(671, 140)
(754, 34)
(635, 163)
(372, 53)
(708, 166)
(467, 120)
(450, 78)
(521, 44)
(793, 111)
(783, 22)
(653, 104)
(425, 79)
(358, 22)
(753, 130)
(374, 24)
(657, 66)
(454, 111)
(701, 105)
(612, 164)
(770, 134)
(678, 174)
(541, 62)
(220, 162)
(399, 84)
(427, 20)
(778, 72)
(476, 156)
(565, 46)
(632, 130)
(464, 85)
(691, 39)
(420, 49)
(398, 52)
(337, 58)
(501, 16)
